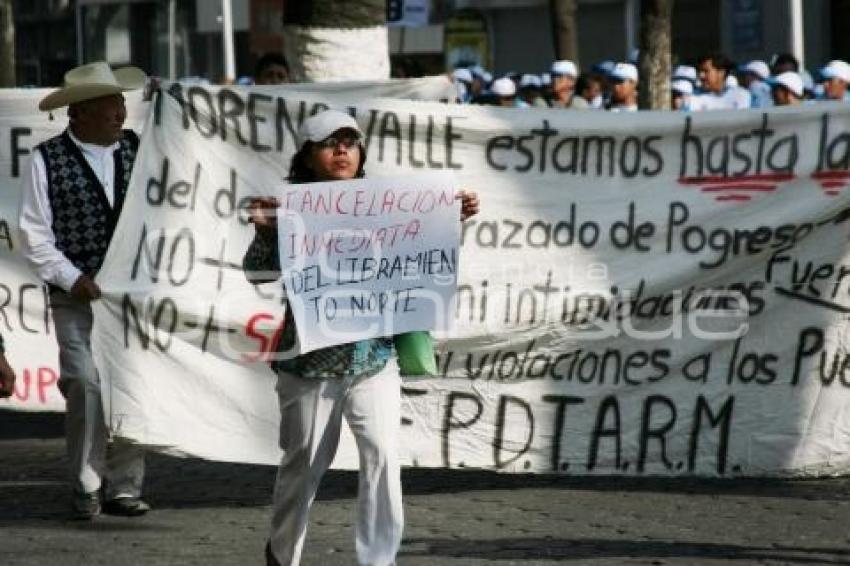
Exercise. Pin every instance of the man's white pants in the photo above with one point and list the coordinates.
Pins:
(311, 416)
(92, 458)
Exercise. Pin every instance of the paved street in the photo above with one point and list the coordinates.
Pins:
(217, 514)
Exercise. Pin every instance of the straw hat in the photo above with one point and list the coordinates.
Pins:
(93, 81)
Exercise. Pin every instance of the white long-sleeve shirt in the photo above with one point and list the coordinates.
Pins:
(38, 243)
(732, 98)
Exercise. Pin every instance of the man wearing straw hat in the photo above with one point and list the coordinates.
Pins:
(72, 198)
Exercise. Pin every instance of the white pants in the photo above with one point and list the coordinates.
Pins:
(92, 458)
(311, 416)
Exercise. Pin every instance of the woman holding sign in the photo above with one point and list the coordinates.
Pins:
(358, 381)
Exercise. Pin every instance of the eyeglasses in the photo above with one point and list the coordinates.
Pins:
(345, 140)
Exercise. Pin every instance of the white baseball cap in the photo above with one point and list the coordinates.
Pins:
(324, 124)
(564, 67)
(625, 72)
(790, 80)
(685, 72)
(682, 86)
(837, 69)
(758, 68)
(503, 87)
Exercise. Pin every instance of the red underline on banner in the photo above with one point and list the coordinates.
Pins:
(831, 175)
(833, 184)
(733, 197)
(739, 187)
(717, 180)
(833, 193)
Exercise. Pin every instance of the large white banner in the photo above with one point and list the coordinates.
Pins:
(656, 293)
(651, 293)
(25, 321)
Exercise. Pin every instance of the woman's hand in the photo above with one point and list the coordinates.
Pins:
(262, 212)
(469, 204)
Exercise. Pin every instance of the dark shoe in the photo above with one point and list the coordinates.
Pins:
(85, 506)
(126, 507)
(270, 559)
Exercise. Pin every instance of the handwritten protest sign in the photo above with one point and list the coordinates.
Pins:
(363, 259)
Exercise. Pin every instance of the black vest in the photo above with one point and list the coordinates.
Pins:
(83, 221)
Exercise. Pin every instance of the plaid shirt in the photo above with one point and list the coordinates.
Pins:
(364, 358)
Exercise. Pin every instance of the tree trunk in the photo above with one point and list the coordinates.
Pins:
(7, 44)
(564, 29)
(335, 40)
(655, 54)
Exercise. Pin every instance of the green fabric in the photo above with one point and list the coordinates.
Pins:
(415, 351)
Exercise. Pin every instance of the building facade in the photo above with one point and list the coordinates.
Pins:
(54, 35)
(520, 36)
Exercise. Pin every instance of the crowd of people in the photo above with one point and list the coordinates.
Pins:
(714, 83)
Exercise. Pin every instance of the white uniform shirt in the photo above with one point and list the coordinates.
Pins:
(38, 243)
(730, 99)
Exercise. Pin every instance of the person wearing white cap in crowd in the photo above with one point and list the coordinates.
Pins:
(564, 74)
(717, 94)
(357, 381)
(787, 89)
(836, 77)
(754, 76)
(591, 88)
(504, 89)
(686, 73)
(682, 90)
(530, 87)
(624, 95)
(72, 197)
